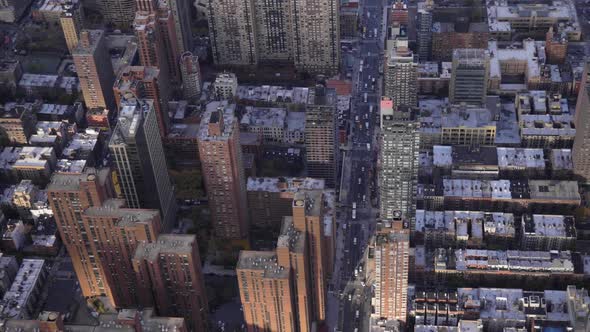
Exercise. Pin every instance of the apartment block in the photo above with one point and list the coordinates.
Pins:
(138, 155)
(548, 232)
(17, 123)
(232, 32)
(170, 269)
(398, 172)
(114, 232)
(71, 21)
(191, 75)
(581, 147)
(392, 246)
(95, 71)
(223, 171)
(320, 136)
(139, 82)
(69, 196)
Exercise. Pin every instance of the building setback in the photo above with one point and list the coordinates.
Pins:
(114, 234)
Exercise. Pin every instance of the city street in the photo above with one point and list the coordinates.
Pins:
(359, 174)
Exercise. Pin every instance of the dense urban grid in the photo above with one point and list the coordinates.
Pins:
(294, 166)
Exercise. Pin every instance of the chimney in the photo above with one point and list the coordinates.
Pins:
(216, 123)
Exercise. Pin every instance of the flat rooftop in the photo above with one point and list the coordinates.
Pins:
(284, 184)
(265, 261)
(176, 244)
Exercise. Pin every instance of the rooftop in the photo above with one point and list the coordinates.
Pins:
(549, 225)
(265, 261)
(264, 117)
(71, 181)
(176, 244)
(274, 94)
(210, 116)
(561, 159)
(81, 145)
(284, 184)
(131, 117)
(521, 158)
(70, 166)
(496, 261)
(114, 208)
(15, 300)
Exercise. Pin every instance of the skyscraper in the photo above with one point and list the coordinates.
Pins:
(181, 12)
(316, 35)
(273, 30)
(170, 270)
(69, 196)
(424, 30)
(469, 76)
(581, 149)
(392, 246)
(401, 74)
(136, 148)
(191, 75)
(114, 234)
(285, 289)
(275, 286)
(232, 32)
(118, 13)
(320, 135)
(155, 28)
(398, 172)
(150, 41)
(308, 218)
(71, 20)
(144, 83)
(266, 291)
(95, 71)
(223, 171)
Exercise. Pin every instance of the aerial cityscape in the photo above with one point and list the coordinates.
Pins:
(294, 165)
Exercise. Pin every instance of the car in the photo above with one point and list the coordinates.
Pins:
(354, 241)
(357, 314)
(364, 198)
(354, 205)
(362, 168)
(360, 180)
(369, 146)
(349, 297)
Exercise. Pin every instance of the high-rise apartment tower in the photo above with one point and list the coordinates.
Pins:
(320, 135)
(223, 171)
(169, 275)
(95, 71)
(398, 166)
(138, 155)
